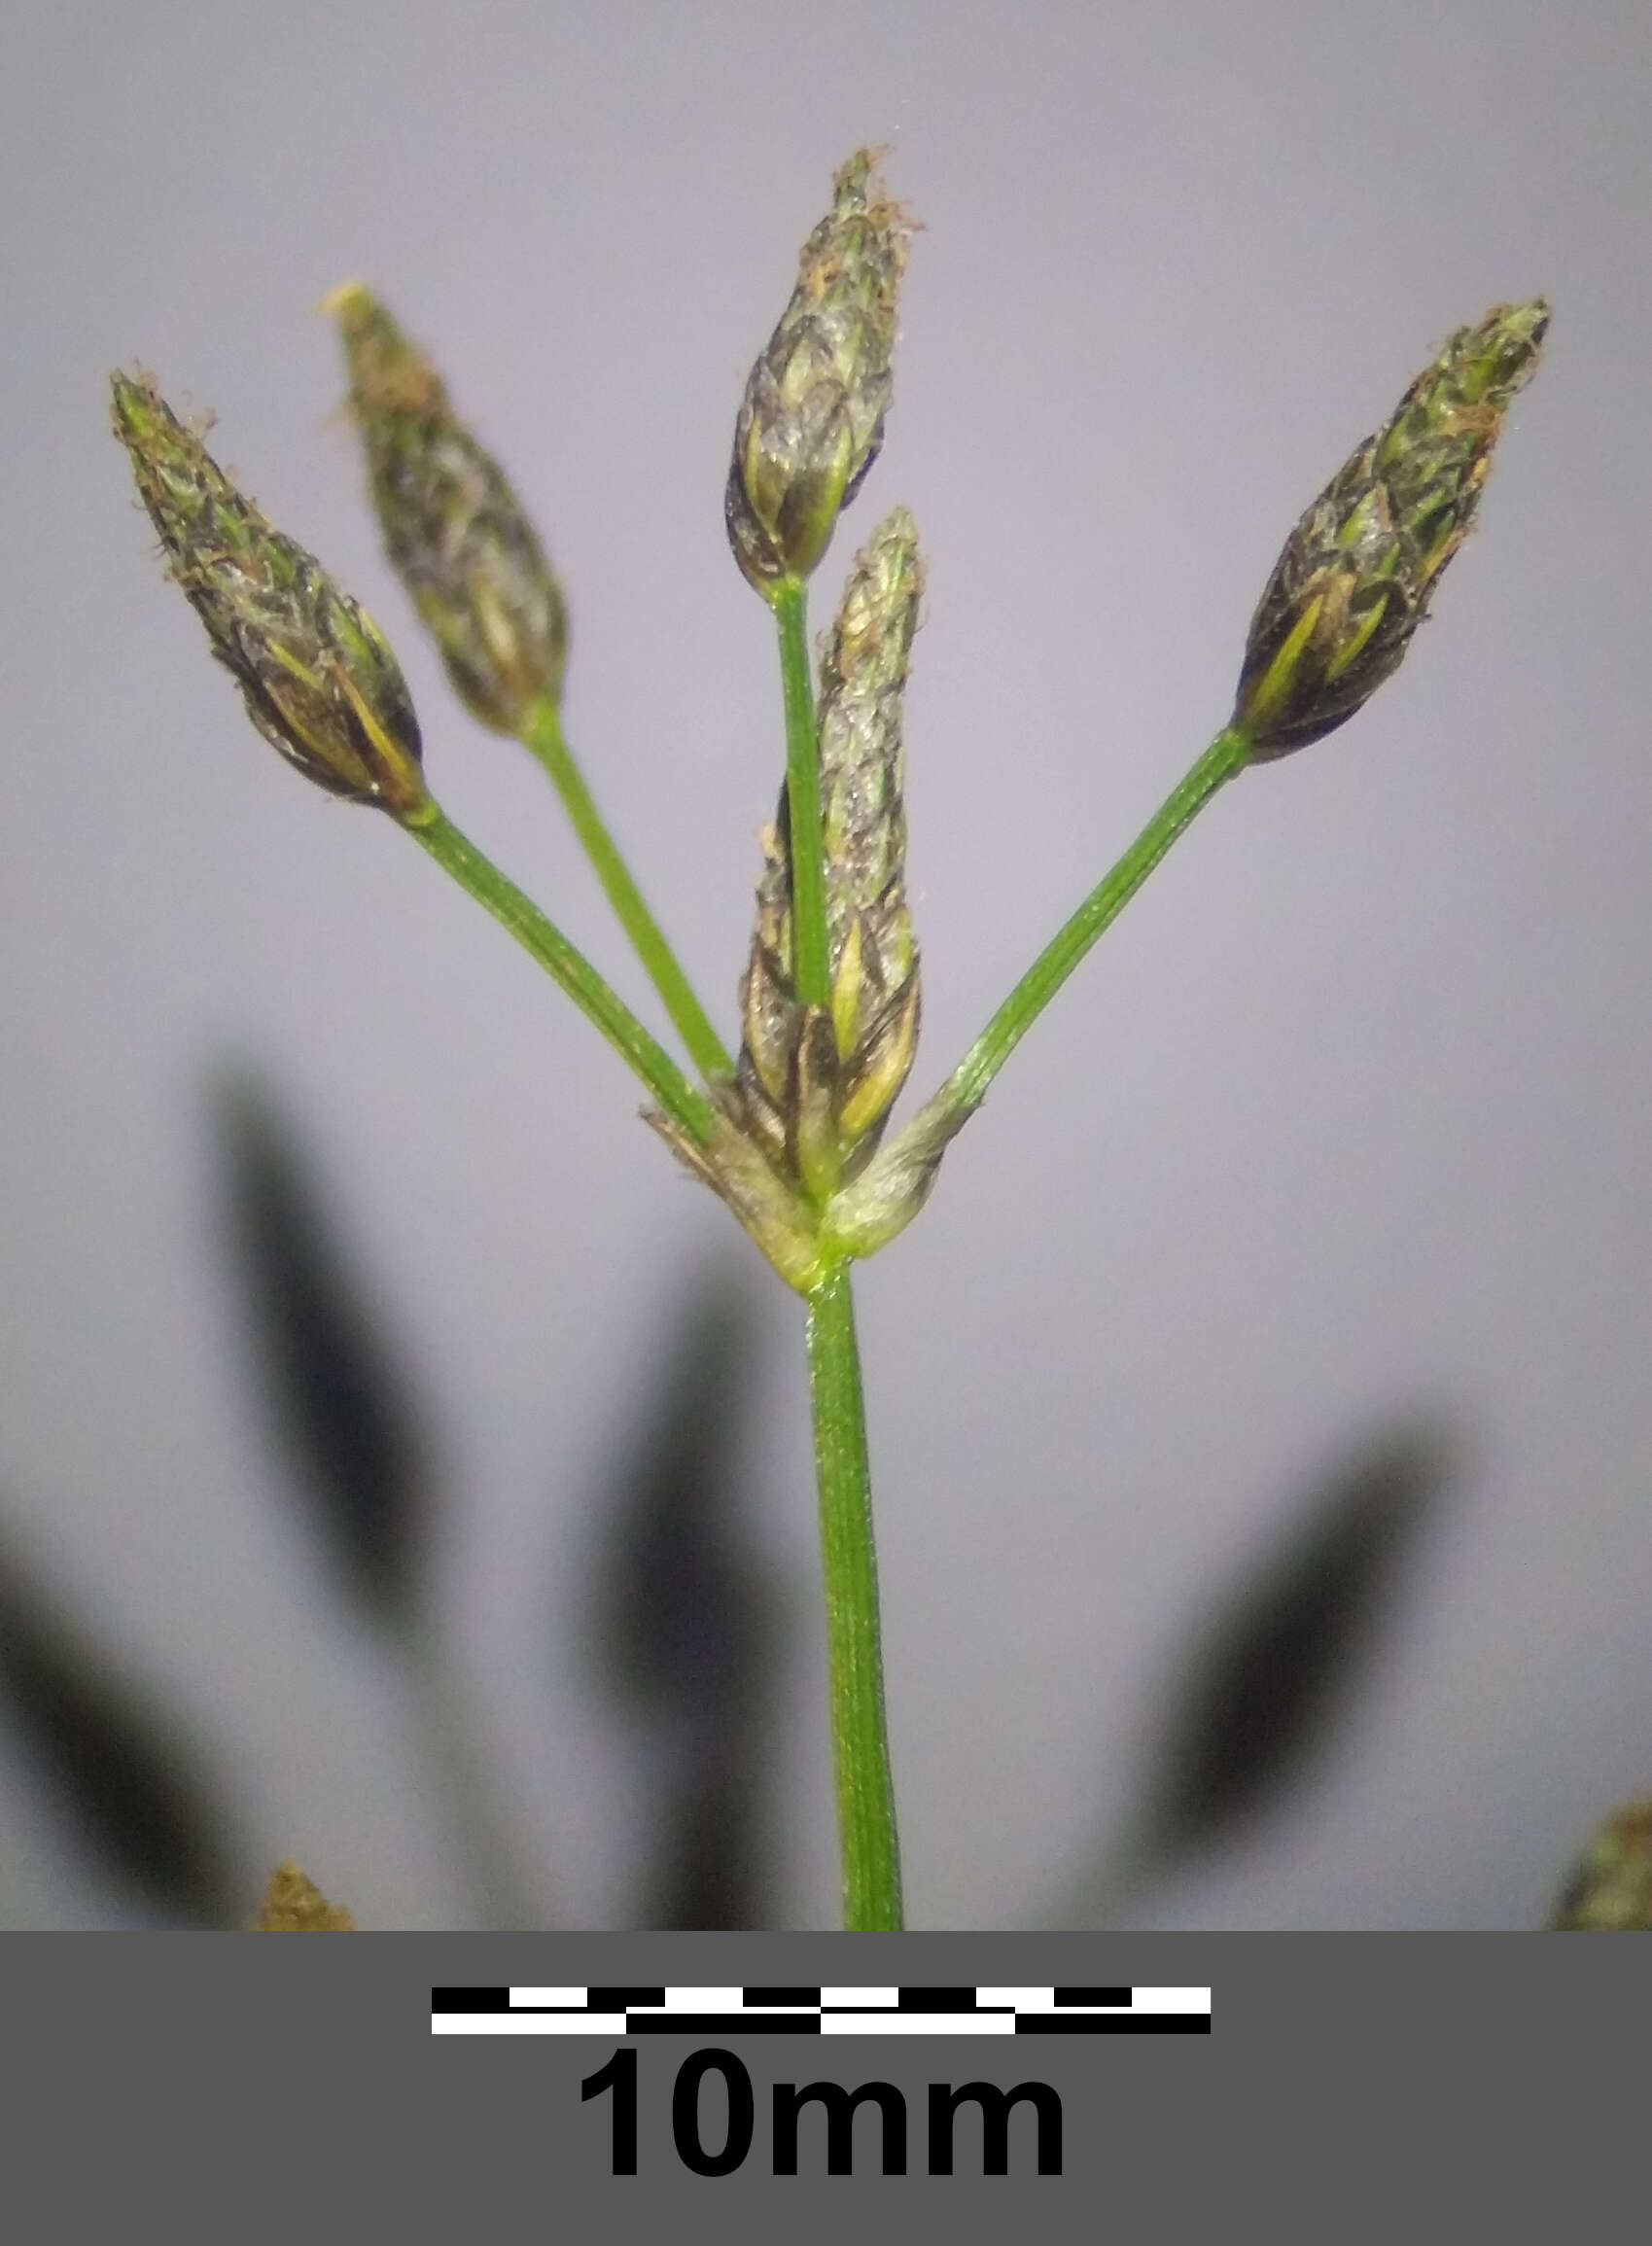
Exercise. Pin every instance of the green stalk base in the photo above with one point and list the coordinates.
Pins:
(865, 1793)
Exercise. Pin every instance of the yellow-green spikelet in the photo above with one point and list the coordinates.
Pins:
(454, 530)
(837, 1074)
(1610, 1889)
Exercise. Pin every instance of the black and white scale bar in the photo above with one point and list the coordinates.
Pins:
(914, 2011)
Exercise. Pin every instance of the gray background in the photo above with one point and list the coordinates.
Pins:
(1313, 2071)
(1347, 1119)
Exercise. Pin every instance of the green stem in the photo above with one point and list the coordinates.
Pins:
(966, 1086)
(811, 967)
(542, 734)
(859, 1743)
(543, 941)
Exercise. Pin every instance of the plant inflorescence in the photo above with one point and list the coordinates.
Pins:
(793, 1129)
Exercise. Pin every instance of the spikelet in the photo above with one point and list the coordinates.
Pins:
(815, 1085)
(316, 674)
(1355, 576)
(294, 1904)
(812, 418)
(1610, 1889)
(455, 532)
